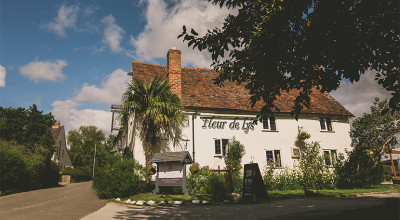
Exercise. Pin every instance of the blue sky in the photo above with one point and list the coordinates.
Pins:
(71, 57)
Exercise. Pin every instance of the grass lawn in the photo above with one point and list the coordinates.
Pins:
(274, 195)
(332, 192)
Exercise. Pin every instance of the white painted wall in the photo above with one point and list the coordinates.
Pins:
(256, 141)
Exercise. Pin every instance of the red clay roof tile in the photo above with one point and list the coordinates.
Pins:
(199, 91)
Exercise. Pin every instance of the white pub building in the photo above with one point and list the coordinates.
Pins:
(217, 114)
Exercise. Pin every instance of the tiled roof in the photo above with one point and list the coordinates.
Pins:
(181, 156)
(199, 91)
(57, 131)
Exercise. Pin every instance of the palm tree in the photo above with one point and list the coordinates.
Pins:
(157, 110)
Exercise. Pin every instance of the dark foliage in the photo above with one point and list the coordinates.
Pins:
(278, 45)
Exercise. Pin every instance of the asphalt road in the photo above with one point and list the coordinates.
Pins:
(72, 201)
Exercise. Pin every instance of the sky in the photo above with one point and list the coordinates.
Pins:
(71, 57)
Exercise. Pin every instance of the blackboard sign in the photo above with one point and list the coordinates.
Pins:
(253, 185)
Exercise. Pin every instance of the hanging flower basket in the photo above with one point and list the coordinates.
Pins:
(152, 171)
(194, 168)
(303, 135)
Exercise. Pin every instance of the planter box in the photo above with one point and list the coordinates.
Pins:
(396, 181)
(66, 178)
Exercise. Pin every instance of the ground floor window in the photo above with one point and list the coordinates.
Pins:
(220, 146)
(330, 157)
(273, 158)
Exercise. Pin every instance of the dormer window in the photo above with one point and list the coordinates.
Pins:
(269, 123)
(326, 124)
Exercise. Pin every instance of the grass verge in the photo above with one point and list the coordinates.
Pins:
(273, 195)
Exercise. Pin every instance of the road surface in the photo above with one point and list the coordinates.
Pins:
(72, 201)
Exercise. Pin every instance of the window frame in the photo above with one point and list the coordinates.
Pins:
(333, 161)
(267, 125)
(223, 147)
(274, 157)
(327, 123)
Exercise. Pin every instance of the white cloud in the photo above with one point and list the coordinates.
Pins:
(113, 34)
(68, 114)
(358, 97)
(44, 70)
(2, 76)
(165, 23)
(66, 18)
(110, 92)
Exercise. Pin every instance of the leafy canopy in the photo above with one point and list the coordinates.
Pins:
(28, 127)
(82, 143)
(156, 111)
(276, 45)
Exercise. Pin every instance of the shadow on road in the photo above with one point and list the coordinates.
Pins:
(384, 209)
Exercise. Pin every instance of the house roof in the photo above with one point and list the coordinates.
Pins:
(199, 91)
(57, 131)
(181, 156)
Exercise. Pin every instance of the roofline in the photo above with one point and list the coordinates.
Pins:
(196, 108)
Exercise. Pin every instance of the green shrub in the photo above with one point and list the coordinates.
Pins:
(50, 175)
(22, 170)
(359, 171)
(13, 169)
(292, 179)
(218, 186)
(234, 158)
(124, 178)
(197, 182)
(78, 174)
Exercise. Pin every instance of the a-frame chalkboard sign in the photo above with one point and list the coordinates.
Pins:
(253, 185)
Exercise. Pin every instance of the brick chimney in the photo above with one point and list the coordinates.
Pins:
(174, 71)
(57, 124)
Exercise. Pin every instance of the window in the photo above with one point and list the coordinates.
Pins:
(220, 146)
(273, 158)
(269, 123)
(326, 124)
(330, 157)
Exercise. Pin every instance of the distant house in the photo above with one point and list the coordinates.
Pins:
(217, 114)
(60, 156)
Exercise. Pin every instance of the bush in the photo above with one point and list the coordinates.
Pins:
(13, 169)
(78, 174)
(218, 186)
(208, 182)
(124, 178)
(51, 175)
(292, 179)
(22, 170)
(359, 171)
(197, 182)
(234, 158)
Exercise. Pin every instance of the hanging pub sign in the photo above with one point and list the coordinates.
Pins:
(253, 185)
(171, 169)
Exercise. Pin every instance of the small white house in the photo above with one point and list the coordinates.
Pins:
(217, 114)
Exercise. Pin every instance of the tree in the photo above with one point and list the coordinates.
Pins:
(83, 143)
(372, 135)
(156, 109)
(28, 127)
(278, 45)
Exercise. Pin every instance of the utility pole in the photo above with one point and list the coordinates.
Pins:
(94, 159)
